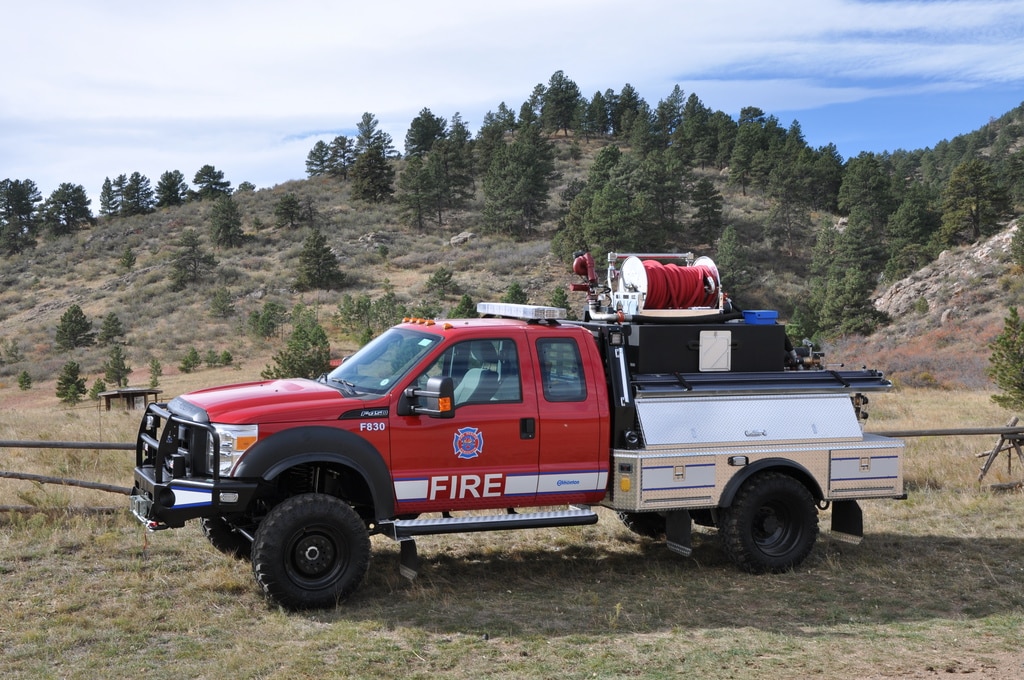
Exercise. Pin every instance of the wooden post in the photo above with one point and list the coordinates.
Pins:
(1006, 441)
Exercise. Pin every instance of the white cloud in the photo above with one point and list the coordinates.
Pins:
(114, 86)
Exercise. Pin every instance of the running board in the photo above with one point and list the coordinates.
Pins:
(405, 530)
(408, 528)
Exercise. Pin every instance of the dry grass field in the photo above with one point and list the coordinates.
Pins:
(935, 589)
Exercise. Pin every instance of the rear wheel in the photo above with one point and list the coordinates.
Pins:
(772, 524)
(310, 552)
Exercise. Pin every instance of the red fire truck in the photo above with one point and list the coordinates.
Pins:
(665, 404)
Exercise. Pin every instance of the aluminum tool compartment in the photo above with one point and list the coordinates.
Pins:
(700, 443)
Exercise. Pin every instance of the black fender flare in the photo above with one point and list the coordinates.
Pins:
(270, 457)
(795, 470)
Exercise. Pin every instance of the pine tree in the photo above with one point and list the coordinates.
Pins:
(221, 305)
(318, 159)
(156, 370)
(191, 263)
(560, 298)
(466, 309)
(119, 184)
(110, 329)
(1006, 363)
(190, 361)
(67, 210)
(110, 204)
(515, 294)
(866, 188)
(731, 259)
(1017, 247)
(266, 322)
(441, 283)
(373, 177)
(210, 183)
(19, 217)
(489, 139)
(415, 193)
(707, 218)
(138, 196)
(171, 189)
(517, 182)
(425, 130)
(318, 265)
(288, 211)
(127, 259)
(908, 232)
(212, 358)
(748, 141)
(342, 156)
(560, 104)
(74, 329)
(98, 387)
(24, 381)
(226, 223)
(70, 384)
(116, 368)
(845, 305)
(307, 354)
(972, 201)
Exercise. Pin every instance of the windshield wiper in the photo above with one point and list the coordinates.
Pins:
(346, 385)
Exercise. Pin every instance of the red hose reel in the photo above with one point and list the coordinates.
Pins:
(670, 286)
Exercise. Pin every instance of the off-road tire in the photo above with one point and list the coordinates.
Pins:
(647, 524)
(772, 524)
(310, 552)
(225, 539)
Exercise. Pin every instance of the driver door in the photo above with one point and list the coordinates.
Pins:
(487, 455)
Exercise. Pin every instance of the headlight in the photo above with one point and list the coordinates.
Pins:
(234, 440)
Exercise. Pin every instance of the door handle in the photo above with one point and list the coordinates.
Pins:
(527, 428)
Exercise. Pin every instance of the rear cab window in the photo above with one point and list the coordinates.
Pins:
(561, 370)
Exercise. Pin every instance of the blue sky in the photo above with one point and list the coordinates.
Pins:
(96, 89)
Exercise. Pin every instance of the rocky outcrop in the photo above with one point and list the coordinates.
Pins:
(953, 275)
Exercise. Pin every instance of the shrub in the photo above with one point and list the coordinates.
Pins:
(191, 361)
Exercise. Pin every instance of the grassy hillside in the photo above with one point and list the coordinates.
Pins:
(374, 247)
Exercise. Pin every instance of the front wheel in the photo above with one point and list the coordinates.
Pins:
(772, 524)
(310, 552)
(224, 538)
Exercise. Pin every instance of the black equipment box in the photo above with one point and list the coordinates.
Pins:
(698, 348)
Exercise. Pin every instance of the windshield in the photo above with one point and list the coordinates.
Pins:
(378, 366)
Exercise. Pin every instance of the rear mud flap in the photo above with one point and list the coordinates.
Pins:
(677, 532)
(847, 522)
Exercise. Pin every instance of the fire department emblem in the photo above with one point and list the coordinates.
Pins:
(468, 443)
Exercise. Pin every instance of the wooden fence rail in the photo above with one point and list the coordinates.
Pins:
(1011, 439)
(111, 446)
(63, 481)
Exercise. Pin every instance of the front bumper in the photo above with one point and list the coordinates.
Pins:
(171, 503)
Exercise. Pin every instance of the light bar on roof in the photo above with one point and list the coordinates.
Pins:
(525, 312)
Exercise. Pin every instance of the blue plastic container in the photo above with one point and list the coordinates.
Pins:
(762, 317)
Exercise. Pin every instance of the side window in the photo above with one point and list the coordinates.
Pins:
(561, 370)
(484, 371)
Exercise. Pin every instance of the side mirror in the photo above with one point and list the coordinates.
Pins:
(437, 400)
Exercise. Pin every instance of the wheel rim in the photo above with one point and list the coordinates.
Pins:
(774, 530)
(316, 556)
